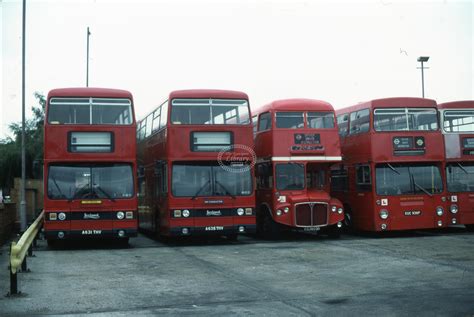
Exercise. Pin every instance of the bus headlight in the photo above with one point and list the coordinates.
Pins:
(129, 215)
(278, 212)
(61, 216)
(177, 213)
(240, 211)
(454, 209)
(339, 210)
(383, 214)
(333, 208)
(248, 211)
(120, 215)
(286, 210)
(185, 213)
(53, 216)
(439, 211)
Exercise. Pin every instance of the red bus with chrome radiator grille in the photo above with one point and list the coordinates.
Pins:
(391, 176)
(296, 143)
(90, 164)
(458, 132)
(196, 164)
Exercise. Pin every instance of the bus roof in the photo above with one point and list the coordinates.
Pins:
(457, 104)
(295, 105)
(393, 102)
(208, 93)
(90, 92)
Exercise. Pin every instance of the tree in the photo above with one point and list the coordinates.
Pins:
(10, 149)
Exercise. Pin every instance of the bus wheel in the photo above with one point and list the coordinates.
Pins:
(232, 237)
(51, 243)
(334, 232)
(123, 241)
(348, 222)
(470, 228)
(271, 229)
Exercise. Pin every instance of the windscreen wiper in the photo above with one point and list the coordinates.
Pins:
(463, 168)
(104, 192)
(201, 189)
(57, 186)
(226, 190)
(420, 187)
(393, 168)
(77, 192)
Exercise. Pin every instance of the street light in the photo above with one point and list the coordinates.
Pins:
(423, 59)
(87, 58)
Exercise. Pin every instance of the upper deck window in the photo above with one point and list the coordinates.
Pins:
(289, 120)
(343, 124)
(116, 111)
(458, 121)
(320, 120)
(265, 121)
(210, 111)
(405, 119)
(360, 121)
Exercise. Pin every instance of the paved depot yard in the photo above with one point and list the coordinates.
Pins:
(420, 273)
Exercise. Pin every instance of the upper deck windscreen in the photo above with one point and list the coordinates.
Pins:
(458, 121)
(115, 111)
(210, 111)
(300, 119)
(405, 119)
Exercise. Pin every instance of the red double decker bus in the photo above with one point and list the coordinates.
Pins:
(90, 164)
(458, 131)
(196, 164)
(296, 142)
(391, 176)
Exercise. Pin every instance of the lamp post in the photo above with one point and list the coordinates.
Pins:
(87, 61)
(423, 59)
(23, 219)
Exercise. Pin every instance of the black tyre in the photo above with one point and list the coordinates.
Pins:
(232, 237)
(470, 228)
(271, 229)
(334, 232)
(123, 241)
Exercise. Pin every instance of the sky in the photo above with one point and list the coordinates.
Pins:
(343, 52)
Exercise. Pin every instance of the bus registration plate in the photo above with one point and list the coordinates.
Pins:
(91, 232)
(311, 229)
(214, 228)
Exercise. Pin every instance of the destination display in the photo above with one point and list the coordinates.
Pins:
(468, 145)
(302, 138)
(408, 145)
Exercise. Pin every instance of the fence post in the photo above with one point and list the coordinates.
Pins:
(13, 279)
(24, 266)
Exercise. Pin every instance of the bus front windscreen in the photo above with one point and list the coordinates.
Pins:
(460, 177)
(458, 121)
(106, 181)
(198, 180)
(405, 119)
(402, 179)
(210, 111)
(87, 111)
(290, 176)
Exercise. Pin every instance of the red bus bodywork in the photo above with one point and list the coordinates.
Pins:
(95, 213)
(373, 204)
(284, 199)
(172, 147)
(458, 132)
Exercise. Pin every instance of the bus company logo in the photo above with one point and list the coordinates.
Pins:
(419, 142)
(396, 141)
(213, 213)
(91, 216)
(239, 161)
